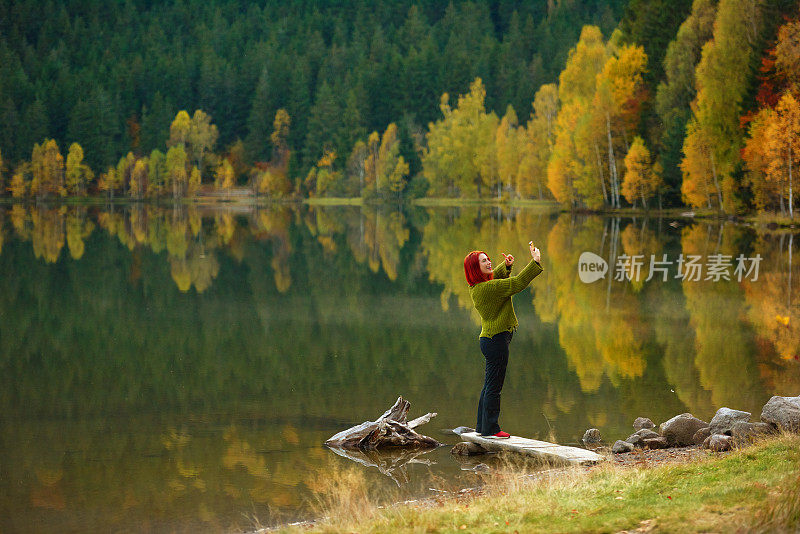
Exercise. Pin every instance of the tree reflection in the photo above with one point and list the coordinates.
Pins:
(724, 344)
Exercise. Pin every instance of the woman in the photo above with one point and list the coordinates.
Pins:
(491, 293)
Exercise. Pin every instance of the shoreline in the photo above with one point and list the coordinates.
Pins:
(611, 496)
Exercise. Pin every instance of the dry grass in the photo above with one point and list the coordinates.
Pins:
(747, 490)
(781, 511)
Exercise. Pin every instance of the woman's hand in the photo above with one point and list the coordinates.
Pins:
(535, 252)
(509, 259)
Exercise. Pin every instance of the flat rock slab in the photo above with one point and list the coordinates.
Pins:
(545, 450)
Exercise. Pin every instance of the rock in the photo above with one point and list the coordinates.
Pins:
(783, 412)
(636, 439)
(701, 435)
(643, 422)
(743, 432)
(467, 448)
(718, 442)
(680, 430)
(481, 468)
(655, 443)
(621, 447)
(725, 418)
(458, 430)
(592, 436)
(646, 433)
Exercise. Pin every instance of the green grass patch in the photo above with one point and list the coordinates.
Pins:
(334, 201)
(754, 489)
(460, 202)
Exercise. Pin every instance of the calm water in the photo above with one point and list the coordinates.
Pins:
(178, 369)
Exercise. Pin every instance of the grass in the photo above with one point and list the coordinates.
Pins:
(772, 218)
(334, 201)
(756, 489)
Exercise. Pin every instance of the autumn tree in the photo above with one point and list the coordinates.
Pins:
(2, 174)
(675, 93)
(356, 168)
(576, 89)
(138, 178)
(179, 129)
(77, 174)
(701, 185)
(535, 143)
(783, 146)
(280, 139)
(20, 181)
(224, 175)
(47, 170)
(177, 177)
(640, 181)
(617, 104)
(391, 169)
(201, 138)
(156, 173)
(460, 158)
(508, 141)
(766, 192)
(722, 80)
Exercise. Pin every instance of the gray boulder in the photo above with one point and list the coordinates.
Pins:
(725, 418)
(680, 430)
(467, 448)
(637, 438)
(643, 422)
(655, 443)
(743, 432)
(718, 442)
(783, 412)
(592, 436)
(621, 447)
(701, 435)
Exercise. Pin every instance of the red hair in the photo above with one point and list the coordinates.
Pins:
(472, 268)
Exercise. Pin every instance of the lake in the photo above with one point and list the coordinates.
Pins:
(177, 368)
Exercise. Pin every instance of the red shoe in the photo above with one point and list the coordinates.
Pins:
(501, 434)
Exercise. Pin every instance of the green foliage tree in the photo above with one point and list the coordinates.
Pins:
(676, 91)
(460, 157)
(722, 79)
(177, 177)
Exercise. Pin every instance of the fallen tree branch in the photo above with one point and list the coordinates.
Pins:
(392, 429)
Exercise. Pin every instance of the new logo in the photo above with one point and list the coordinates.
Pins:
(591, 267)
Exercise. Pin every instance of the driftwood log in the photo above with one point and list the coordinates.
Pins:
(390, 430)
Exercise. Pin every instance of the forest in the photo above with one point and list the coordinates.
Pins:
(593, 104)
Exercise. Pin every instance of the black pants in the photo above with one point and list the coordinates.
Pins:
(495, 350)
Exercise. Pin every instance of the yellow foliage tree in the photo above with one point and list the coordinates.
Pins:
(19, 181)
(535, 143)
(640, 182)
(77, 174)
(224, 175)
(783, 145)
(766, 192)
(47, 170)
(460, 159)
(700, 182)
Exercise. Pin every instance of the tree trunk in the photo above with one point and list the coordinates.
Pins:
(716, 182)
(392, 429)
(612, 166)
(600, 169)
(791, 212)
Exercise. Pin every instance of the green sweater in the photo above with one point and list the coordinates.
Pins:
(492, 298)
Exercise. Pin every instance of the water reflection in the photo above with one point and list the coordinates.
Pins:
(177, 368)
